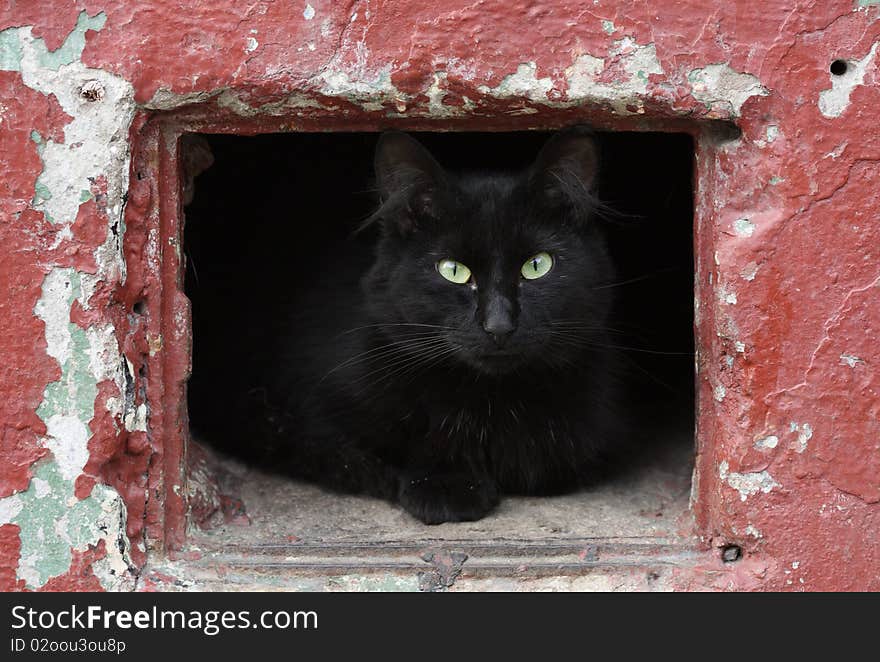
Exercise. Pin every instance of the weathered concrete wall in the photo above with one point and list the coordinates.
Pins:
(787, 238)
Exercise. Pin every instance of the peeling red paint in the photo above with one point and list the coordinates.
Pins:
(25, 369)
(157, 581)
(89, 231)
(10, 550)
(80, 576)
(788, 325)
(51, 26)
(104, 442)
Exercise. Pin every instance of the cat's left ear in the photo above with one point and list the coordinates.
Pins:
(408, 179)
(403, 164)
(566, 167)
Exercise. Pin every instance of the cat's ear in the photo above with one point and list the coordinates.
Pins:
(565, 170)
(408, 178)
(402, 163)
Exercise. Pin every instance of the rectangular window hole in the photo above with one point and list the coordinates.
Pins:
(272, 219)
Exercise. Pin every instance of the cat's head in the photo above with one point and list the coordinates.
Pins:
(495, 271)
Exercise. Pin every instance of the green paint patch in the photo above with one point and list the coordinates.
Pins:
(52, 521)
(867, 3)
(608, 27)
(41, 193)
(72, 48)
(776, 180)
(74, 394)
(85, 195)
(11, 51)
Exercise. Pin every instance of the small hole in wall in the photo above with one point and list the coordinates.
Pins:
(838, 67)
(731, 553)
(140, 307)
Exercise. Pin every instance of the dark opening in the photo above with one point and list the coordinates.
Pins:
(838, 67)
(273, 213)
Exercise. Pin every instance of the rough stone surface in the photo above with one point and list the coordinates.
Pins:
(93, 327)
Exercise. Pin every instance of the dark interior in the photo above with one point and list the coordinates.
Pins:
(272, 201)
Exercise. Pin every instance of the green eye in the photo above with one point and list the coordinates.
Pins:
(454, 271)
(537, 266)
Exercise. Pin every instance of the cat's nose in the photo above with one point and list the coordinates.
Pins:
(499, 318)
(499, 334)
(500, 327)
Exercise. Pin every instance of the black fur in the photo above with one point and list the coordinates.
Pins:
(392, 381)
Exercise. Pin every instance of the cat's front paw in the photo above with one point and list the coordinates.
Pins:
(448, 497)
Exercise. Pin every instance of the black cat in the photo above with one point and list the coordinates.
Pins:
(469, 356)
(476, 359)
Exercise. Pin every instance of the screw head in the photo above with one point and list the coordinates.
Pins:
(92, 90)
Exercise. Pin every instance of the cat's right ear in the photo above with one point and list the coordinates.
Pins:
(565, 170)
(408, 178)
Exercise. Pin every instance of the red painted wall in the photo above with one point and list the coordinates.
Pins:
(788, 239)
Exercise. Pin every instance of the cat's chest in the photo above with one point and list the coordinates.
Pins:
(524, 443)
(487, 417)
